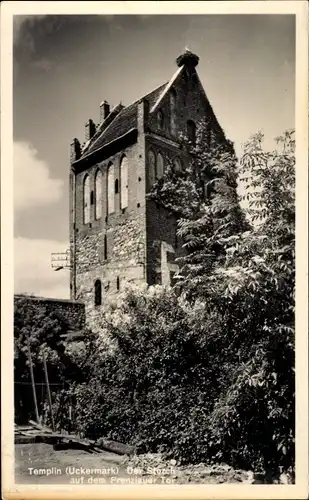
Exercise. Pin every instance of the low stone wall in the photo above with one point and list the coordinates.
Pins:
(72, 312)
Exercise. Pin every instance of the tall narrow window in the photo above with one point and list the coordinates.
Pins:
(151, 168)
(98, 194)
(173, 111)
(160, 166)
(191, 131)
(110, 190)
(160, 118)
(177, 165)
(98, 293)
(118, 283)
(116, 186)
(124, 182)
(86, 199)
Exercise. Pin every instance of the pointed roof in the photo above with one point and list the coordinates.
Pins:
(124, 121)
(166, 89)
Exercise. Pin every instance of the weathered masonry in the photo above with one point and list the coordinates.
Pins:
(72, 312)
(116, 233)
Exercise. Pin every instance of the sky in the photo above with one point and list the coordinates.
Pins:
(65, 66)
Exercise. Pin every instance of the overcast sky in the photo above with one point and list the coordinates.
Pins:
(64, 66)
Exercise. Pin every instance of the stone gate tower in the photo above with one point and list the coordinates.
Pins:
(116, 233)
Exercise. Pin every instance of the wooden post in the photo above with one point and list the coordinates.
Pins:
(32, 383)
(48, 392)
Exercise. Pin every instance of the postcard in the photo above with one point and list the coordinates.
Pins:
(154, 249)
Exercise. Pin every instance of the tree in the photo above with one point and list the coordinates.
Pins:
(242, 271)
(45, 331)
(251, 287)
(205, 202)
(204, 370)
(155, 385)
(257, 282)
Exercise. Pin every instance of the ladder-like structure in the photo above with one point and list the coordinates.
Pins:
(61, 260)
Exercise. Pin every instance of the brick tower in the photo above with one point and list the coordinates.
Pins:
(116, 233)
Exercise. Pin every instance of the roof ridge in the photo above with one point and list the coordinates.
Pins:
(167, 88)
(107, 144)
(145, 95)
(101, 133)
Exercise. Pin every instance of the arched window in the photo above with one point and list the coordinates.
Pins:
(160, 166)
(191, 131)
(177, 165)
(86, 196)
(160, 118)
(98, 194)
(124, 182)
(110, 190)
(151, 167)
(98, 293)
(173, 111)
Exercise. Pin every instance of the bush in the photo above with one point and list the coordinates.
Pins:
(66, 363)
(205, 371)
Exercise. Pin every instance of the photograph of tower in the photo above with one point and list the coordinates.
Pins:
(155, 332)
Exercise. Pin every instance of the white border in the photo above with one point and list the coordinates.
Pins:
(300, 9)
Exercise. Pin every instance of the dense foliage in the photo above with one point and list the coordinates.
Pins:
(42, 331)
(204, 371)
(255, 287)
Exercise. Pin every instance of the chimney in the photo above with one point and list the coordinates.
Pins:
(90, 129)
(75, 152)
(104, 110)
(142, 115)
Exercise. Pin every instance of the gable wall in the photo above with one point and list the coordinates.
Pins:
(191, 104)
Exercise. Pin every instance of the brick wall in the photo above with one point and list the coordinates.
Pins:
(125, 261)
(163, 247)
(162, 244)
(141, 240)
(124, 231)
(191, 104)
(72, 312)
